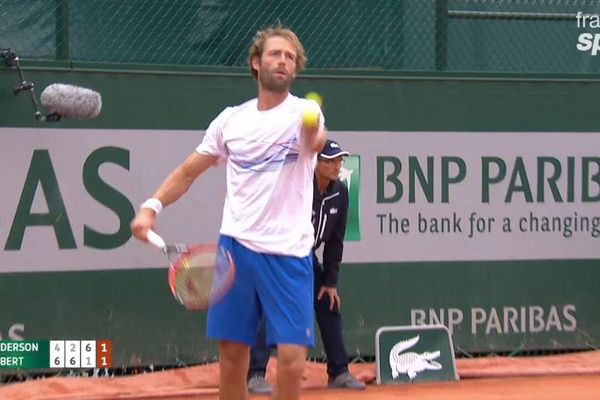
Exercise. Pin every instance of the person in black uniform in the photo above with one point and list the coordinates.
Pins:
(329, 213)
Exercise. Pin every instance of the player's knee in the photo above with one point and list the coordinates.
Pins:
(291, 360)
(291, 367)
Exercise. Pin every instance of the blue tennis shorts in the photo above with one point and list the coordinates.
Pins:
(278, 287)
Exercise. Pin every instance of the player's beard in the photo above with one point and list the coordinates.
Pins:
(274, 83)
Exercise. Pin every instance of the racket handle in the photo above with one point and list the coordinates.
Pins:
(155, 239)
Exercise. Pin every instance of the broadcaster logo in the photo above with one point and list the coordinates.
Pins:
(586, 41)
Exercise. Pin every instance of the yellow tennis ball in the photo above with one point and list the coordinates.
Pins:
(310, 116)
(315, 97)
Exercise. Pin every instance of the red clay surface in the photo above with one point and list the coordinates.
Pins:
(564, 377)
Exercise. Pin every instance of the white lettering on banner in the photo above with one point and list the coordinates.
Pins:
(587, 41)
(501, 320)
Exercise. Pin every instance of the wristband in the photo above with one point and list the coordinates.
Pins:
(153, 204)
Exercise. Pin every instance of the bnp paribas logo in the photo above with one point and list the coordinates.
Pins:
(350, 175)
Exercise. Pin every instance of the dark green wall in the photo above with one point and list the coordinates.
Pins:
(187, 99)
(136, 312)
(360, 101)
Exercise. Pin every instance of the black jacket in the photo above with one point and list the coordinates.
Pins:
(329, 214)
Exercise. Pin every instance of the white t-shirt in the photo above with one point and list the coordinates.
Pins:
(268, 203)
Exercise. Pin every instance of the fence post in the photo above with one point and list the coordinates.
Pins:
(441, 34)
(62, 29)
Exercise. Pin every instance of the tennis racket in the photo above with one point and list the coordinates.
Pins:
(199, 275)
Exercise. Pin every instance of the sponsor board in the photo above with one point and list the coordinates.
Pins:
(415, 196)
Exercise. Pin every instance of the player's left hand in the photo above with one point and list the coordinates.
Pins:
(313, 130)
(334, 299)
(314, 137)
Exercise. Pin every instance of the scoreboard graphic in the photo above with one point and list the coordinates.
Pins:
(44, 354)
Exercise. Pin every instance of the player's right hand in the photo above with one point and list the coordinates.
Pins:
(143, 221)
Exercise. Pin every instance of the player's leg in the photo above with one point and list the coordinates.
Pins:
(291, 360)
(285, 289)
(233, 361)
(234, 322)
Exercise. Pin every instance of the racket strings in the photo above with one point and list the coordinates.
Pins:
(193, 291)
(201, 278)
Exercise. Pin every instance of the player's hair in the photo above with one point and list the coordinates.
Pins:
(258, 45)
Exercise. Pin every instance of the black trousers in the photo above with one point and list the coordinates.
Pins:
(330, 326)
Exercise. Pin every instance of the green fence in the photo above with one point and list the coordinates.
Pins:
(520, 36)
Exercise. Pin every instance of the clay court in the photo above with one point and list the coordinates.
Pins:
(564, 377)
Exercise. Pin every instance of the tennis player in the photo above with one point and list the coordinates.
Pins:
(270, 158)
